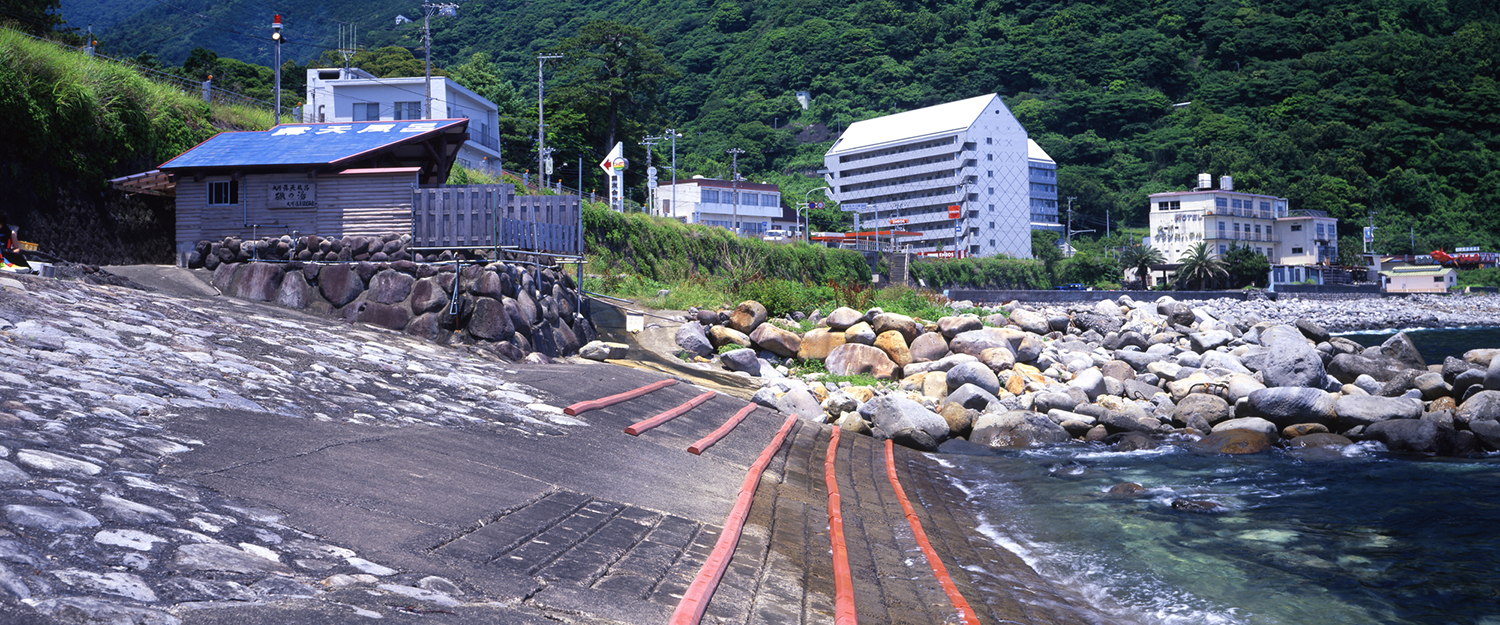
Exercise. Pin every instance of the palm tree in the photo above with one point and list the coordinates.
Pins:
(1141, 257)
(1200, 264)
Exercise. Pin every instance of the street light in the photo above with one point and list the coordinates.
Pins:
(276, 38)
(447, 10)
(806, 228)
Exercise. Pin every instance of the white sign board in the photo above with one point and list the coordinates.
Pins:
(859, 207)
(292, 195)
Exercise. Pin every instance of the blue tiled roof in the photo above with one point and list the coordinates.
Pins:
(305, 144)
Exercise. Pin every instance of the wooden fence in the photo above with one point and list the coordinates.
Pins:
(472, 216)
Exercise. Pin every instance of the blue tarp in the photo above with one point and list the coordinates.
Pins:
(306, 144)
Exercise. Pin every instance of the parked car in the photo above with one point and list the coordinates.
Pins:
(1070, 287)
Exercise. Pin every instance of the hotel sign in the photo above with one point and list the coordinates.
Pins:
(292, 195)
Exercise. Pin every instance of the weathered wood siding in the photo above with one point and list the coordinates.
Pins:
(347, 204)
(464, 216)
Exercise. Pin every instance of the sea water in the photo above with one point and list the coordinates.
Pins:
(1357, 536)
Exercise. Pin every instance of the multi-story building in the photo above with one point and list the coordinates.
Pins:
(1294, 242)
(341, 95)
(963, 176)
(712, 203)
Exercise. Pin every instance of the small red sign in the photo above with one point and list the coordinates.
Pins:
(955, 211)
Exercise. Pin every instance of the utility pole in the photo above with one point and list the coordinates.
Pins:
(1069, 228)
(276, 38)
(734, 184)
(650, 142)
(673, 135)
(445, 9)
(808, 207)
(541, 125)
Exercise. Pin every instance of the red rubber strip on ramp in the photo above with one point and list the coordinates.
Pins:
(639, 427)
(713, 437)
(959, 603)
(690, 610)
(595, 404)
(843, 580)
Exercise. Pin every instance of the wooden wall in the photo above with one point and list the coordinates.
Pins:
(348, 204)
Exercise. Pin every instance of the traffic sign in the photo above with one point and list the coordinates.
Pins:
(898, 222)
(954, 211)
(858, 207)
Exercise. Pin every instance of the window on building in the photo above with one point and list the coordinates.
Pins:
(367, 112)
(1437, 278)
(992, 173)
(1235, 203)
(1265, 207)
(711, 196)
(992, 224)
(408, 110)
(1221, 248)
(768, 200)
(989, 157)
(223, 192)
(1296, 227)
(989, 141)
(1220, 202)
(992, 190)
(1296, 250)
(1320, 231)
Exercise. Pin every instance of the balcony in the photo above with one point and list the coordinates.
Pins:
(1243, 236)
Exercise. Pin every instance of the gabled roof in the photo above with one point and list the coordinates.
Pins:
(428, 144)
(926, 122)
(1417, 270)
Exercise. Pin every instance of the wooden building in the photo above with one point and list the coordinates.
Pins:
(333, 180)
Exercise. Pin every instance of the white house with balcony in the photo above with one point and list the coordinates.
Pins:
(750, 205)
(341, 95)
(963, 176)
(1298, 244)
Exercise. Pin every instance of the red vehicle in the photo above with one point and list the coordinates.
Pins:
(1465, 261)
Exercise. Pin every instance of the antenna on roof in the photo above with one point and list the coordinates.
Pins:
(347, 46)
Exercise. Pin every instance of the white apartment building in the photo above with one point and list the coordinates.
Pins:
(962, 175)
(712, 203)
(336, 95)
(1224, 218)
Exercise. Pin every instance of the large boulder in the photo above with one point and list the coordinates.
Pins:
(1103, 324)
(1234, 441)
(490, 321)
(893, 343)
(720, 336)
(1201, 411)
(691, 337)
(972, 397)
(1488, 433)
(339, 284)
(1482, 406)
(801, 402)
(818, 343)
(258, 281)
(742, 360)
(1090, 381)
(1029, 321)
(1313, 331)
(1289, 359)
(1357, 410)
(391, 286)
(295, 292)
(1400, 349)
(1347, 368)
(928, 347)
(843, 317)
(1208, 341)
(974, 342)
(905, 421)
(892, 322)
(1177, 313)
(975, 373)
(1287, 405)
(747, 316)
(953, 326)
(854, 359)
(860, 333)
(1415, 436)
(776, 340)
(1017, 428)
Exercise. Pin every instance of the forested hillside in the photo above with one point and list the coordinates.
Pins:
(1353, 107)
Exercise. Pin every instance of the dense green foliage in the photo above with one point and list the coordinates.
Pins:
(1199, 268)
(1245, 267)
(1479, 277)
(76, 122)
(664, 250)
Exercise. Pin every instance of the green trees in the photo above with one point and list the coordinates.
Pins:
(1199, 265)
(1141, 258)
(612, 73)
(1245, 268)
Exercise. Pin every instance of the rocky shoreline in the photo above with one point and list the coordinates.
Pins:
(1221, 376)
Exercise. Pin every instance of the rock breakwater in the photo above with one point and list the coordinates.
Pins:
(1220, 375)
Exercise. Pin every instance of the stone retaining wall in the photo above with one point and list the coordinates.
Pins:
(508, 307)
